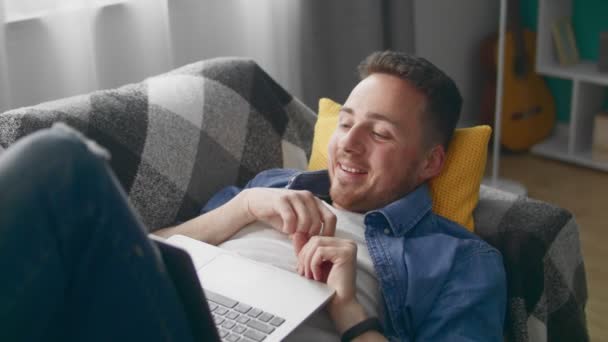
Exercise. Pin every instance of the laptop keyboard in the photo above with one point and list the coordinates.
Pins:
(237, 321)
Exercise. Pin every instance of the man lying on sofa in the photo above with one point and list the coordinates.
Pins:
(364, 226)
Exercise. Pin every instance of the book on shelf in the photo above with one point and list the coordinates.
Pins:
(599, 150)
(565, 43)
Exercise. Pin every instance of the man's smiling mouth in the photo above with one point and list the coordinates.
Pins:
(351, 169)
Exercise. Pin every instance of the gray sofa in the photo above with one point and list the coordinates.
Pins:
(177, 138)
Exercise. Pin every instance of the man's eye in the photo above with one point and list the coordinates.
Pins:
(380, 135)
(344, 125)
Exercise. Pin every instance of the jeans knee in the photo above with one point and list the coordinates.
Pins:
(51, 163)
(58, 146)
(62, 141)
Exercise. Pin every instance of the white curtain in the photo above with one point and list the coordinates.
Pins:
(51, 52)
(4, 104)
(311, 47)
(265, 30)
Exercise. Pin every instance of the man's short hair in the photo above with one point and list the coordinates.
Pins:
(443, 99)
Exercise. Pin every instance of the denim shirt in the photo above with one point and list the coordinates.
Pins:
(439, 282)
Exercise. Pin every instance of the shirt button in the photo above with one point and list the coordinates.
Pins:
(387, 231)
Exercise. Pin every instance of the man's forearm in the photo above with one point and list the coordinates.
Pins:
(215, 226)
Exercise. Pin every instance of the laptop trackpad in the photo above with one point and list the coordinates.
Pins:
(264, 286)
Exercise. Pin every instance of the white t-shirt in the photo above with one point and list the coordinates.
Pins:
(261, 242)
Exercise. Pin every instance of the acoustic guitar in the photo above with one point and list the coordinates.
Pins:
(528, 108)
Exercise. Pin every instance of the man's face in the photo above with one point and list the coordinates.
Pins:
(376, 154)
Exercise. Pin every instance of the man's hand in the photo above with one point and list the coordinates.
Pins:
(296, 213)
(330, 260)
(333, 261)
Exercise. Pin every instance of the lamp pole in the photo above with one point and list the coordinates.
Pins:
(495, 181)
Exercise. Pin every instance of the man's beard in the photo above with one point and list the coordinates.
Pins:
(347, 199)
(358, 199)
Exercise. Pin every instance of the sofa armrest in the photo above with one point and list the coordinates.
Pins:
(547, 290)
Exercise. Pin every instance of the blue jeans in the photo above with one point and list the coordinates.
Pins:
(75, 261)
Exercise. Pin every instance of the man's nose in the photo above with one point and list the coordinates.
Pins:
(352, 141)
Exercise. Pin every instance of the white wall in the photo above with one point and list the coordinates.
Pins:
(448, 33)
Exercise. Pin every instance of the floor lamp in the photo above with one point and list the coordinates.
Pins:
(495, 181)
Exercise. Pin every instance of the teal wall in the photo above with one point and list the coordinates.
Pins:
(589, 18)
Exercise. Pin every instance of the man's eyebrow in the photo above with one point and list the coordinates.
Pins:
(381, 117)
(371, 115)
(347, 110)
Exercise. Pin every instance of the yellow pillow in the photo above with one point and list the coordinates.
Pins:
(327, 121)
(455, 191)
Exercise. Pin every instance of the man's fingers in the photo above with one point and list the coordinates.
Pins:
(299, 239)
(306, 214)
(312, 204)
(329, 220)
(291, 210)
(316, 261)
(288, 216)
(320, 262)
(307, 249)
(331, 250)
(315, 243)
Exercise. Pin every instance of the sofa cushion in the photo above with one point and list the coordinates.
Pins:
(177, 138)
(455, 191)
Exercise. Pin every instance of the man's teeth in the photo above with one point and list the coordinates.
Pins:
(351, 169)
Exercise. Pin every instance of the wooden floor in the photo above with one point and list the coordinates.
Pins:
(584, 192)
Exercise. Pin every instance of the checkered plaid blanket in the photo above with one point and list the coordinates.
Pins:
(177, 138)
(547, 290)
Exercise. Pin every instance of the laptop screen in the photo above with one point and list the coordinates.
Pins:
(182, 273)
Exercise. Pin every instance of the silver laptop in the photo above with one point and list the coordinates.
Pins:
(267, 301)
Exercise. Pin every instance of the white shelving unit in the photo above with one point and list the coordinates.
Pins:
(569, 142)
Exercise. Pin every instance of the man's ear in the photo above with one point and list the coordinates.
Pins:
(433, 163)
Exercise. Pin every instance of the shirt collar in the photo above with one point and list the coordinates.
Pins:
(316, 182)
(401, 215)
